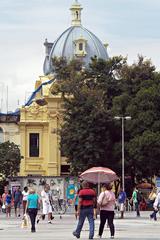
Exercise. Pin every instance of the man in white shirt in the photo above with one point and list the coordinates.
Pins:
(46, 203)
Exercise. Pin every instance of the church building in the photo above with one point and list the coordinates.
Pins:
(40, 118)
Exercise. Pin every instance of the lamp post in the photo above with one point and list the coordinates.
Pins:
(122, 118)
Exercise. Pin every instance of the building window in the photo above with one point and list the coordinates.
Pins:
(80, 46)
(1, 135)
(34, 144)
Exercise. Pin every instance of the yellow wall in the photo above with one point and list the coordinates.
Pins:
(44, 120)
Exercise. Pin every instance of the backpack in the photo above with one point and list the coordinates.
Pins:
(139, 197)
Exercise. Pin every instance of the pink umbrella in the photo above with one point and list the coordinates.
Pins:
(99, 175)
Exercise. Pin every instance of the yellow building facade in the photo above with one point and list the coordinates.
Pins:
(40, 118)
(39, 127)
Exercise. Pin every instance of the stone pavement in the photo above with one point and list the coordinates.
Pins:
(130, 228)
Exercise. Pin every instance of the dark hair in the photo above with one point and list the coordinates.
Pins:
(85, 184)
(26, 189)
(108, 186)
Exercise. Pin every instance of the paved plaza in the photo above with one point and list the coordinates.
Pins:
(129, 228)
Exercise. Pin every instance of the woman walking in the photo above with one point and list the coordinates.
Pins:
(106, 201)
(32, 207)
(24, 199)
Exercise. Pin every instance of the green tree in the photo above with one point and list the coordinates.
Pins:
(88, 133)
(9, 159)
(140, 98)
(93, 96)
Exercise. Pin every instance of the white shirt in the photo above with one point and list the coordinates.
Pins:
(45, 197)
(157, 201)
(25, 194)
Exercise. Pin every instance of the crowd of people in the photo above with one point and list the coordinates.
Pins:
(87, 205)
(30, 202)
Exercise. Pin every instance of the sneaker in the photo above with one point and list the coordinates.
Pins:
(76, 235)
(112, 237)
(49, 222)
(33, 230)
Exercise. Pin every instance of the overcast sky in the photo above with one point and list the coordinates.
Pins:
(131, 27)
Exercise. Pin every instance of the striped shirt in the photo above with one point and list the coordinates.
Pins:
(87, 197)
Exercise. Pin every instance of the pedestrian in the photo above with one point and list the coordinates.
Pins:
(4, 199)
(46, 204)
(156, 205)
(17, 198)
(87, 200)
(76, 199)
(106, 201)
(8, 202)
(32, 207)
(1, 203)
(24, 198)
(152, 196)
(136, 198)
(121, 201)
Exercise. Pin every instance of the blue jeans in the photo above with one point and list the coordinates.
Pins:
(86, 212)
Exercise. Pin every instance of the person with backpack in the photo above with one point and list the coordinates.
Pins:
(136, 197)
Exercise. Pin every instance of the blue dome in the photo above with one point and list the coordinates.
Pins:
(74, 43)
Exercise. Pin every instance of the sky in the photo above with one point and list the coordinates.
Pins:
(130, 27)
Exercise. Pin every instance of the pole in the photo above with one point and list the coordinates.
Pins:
(123, 153)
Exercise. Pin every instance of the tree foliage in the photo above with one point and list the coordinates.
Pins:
(93, 96)
(9, 159)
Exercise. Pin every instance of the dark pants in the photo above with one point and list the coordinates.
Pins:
(32, 214)
(106, 215)
(137, 209)
(86, 212)
(153, 215)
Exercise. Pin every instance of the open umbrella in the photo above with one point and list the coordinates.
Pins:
(99, 175)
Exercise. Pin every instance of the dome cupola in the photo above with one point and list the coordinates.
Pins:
(76, 42)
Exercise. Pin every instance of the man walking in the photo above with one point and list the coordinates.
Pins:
(46, 204)
(136, 197)
(17, 198)
(87, 201)
(121, 202)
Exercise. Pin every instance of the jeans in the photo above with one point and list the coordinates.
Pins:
(32, 214)
(106, 215)
(137, 209)
(86, 212)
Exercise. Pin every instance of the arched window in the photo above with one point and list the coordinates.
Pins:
(1, 135)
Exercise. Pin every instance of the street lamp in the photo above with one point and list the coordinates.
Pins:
(122, 118)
